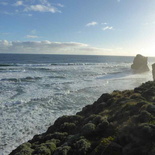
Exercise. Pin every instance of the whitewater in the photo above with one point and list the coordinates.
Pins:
(37, 89)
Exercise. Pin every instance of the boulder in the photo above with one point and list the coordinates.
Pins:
(153, 71)
(140, 64)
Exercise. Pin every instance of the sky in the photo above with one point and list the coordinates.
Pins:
(89, 27)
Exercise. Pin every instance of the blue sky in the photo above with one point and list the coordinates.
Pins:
(96, 27)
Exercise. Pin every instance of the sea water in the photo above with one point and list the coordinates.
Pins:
(37, 89)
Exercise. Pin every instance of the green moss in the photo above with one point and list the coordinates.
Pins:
(55, 141)
(88, 128)
(63, 150)
(50, 146)
(107, 141)
(68, 127)
(24, 152)
(42, 150)
(59, 135)
(71, 119)
(98, 119)
(24, 149)
(82, 146)
(151, 122)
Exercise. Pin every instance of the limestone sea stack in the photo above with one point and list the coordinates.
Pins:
(153, 71)
(140, 64)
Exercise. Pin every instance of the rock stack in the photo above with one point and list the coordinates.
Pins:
(140, 64)
(153, 71)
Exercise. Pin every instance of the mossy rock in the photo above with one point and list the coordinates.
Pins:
(63, 150)
(55, 141)
(88, 129)
(137, 96)
(144, 116)
(51, 146)
(68, 127)
(104, 98)
(24, 149)
(71, 119)
(42, 150)
(82, 147)
(101, 127)
(72, 138)
(57, 135)
(94, 118)
(151, 109)
(99, 119)
(106, 146)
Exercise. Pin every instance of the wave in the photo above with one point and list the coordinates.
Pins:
(74, 64)
(27, 79)
(6, 65)
(116, 74)
(56, 77)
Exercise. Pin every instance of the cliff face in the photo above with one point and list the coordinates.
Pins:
(120, 123)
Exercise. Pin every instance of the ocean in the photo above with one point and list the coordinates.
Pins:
(37, 89)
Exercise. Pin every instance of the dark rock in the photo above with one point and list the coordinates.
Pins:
(104, 98)
(63, 150)
(88, 129)
(153, 71)
(140, 64)
(82, 146)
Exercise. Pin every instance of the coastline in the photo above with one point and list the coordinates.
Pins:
(122, 123)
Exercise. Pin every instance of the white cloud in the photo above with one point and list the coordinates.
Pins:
(91, 24)
(104, 23)
(32, 36)
(18, 3)
(4, 43)
(48, 47)
(29, 6)
(107, 28)
(41, 8)
(60, 5)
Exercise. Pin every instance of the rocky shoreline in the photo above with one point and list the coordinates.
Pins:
(120, 123)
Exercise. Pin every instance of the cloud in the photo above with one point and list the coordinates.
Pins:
(104, 23)
(41, 8)
(18, 3)
(107, 28)
(32, 36)
(91, 24)
(30, 6)
(48, 47)
(60, 5)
